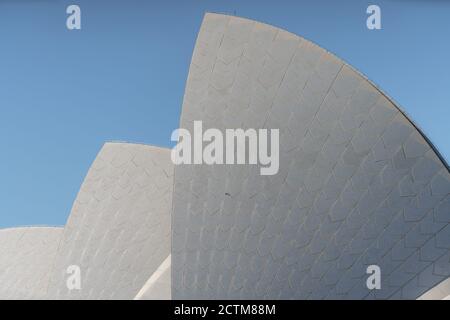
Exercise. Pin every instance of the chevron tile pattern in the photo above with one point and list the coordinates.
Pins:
(26, 259)
(358, 184)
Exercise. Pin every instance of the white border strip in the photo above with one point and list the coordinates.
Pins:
(154, 277)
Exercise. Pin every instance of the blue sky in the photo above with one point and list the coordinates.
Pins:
(64, 93)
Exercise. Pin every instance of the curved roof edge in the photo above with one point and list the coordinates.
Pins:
(110, 142)
(31, 227)
(377, 87)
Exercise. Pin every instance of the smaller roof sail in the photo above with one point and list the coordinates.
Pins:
(118, 232)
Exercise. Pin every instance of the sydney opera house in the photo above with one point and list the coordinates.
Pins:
(358, 184)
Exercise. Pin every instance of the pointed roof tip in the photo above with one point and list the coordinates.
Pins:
(122, 142)
(220, 14)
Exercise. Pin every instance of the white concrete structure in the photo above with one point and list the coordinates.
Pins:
(358, 182)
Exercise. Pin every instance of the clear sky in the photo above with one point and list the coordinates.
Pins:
(121, 77)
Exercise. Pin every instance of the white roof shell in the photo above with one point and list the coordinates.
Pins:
(26, 260)
(358, 182)
(118, 232)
